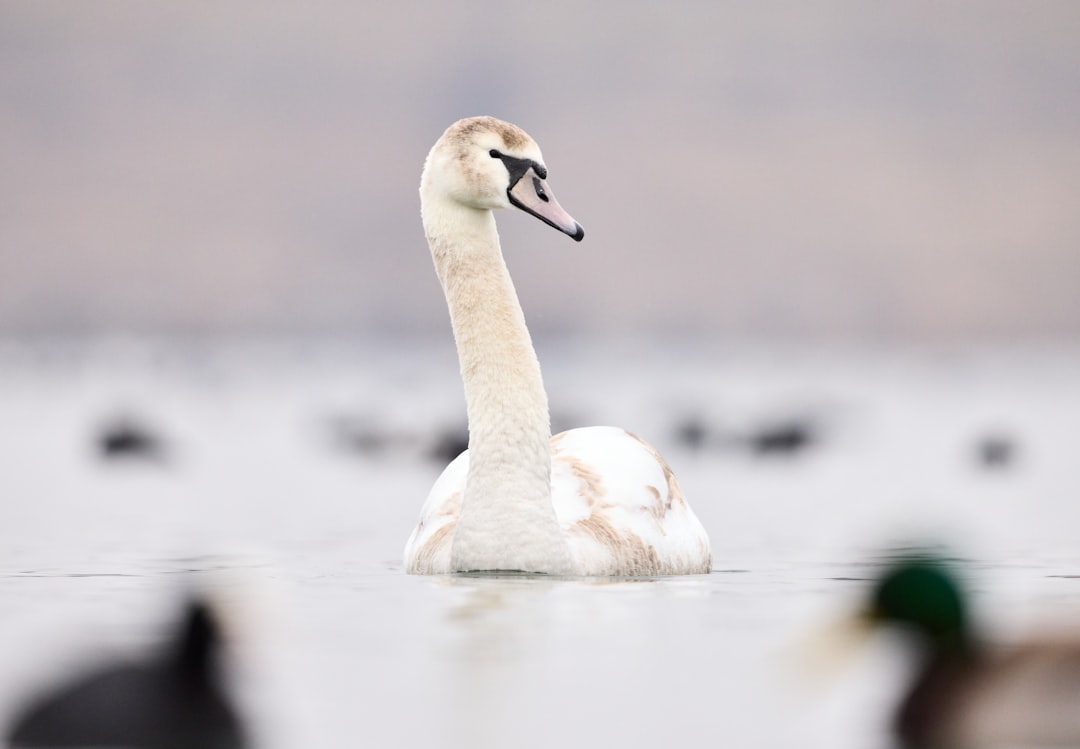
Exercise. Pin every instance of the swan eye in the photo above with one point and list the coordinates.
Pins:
(493, 153)
(539, 187)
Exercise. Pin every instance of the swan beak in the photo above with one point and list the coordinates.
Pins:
(532, 195)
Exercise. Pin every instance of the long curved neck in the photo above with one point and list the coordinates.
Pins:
(507, 519)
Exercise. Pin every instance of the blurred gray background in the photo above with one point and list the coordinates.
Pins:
(853, 171)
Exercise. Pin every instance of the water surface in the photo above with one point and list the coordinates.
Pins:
(288, 478)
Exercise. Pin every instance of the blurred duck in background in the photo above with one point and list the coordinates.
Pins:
(127, 438)
(965, 693)
(174, 700)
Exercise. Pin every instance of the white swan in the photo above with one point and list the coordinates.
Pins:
(592, 501)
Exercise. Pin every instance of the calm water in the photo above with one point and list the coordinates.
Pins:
(287, 478)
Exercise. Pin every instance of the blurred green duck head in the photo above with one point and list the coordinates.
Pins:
(921, 593)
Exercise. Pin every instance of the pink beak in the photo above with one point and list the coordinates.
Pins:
(532, 195)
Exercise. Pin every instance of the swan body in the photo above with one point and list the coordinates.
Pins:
(618, 506)
(592, 501)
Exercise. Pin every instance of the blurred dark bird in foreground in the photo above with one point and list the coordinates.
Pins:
(125, 438)
(995, 451)
(173, 701)
(965, 693)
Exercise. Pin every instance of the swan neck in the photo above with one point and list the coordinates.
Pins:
(507, 519)
(498, 363)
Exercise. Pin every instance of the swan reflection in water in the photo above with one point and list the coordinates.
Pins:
(528, 658)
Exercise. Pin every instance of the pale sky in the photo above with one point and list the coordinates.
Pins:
(897, 171)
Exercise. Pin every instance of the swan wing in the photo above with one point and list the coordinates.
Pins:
(427, 552)
(622, 508)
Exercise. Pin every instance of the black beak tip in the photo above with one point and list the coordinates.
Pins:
(579, 234)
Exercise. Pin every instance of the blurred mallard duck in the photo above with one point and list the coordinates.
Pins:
(966, 693)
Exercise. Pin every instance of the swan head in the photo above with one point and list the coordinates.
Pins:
(485, 163)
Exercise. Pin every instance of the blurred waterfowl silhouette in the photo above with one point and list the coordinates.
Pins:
(127, 438)
(448, 444)
(172, 701)
(692, 432)
(788, 437)
(965, 693)
(358, 436)
(592, 501)
(995, 450)
(785, 437)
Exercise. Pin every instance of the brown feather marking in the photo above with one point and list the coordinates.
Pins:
(593, 489)
(657, 508)
(631, 555)
(675, 493)
(432, 547)
(452, 506)
(513, 137)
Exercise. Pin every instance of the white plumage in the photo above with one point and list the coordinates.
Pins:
(591, 501)
(618, 505)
